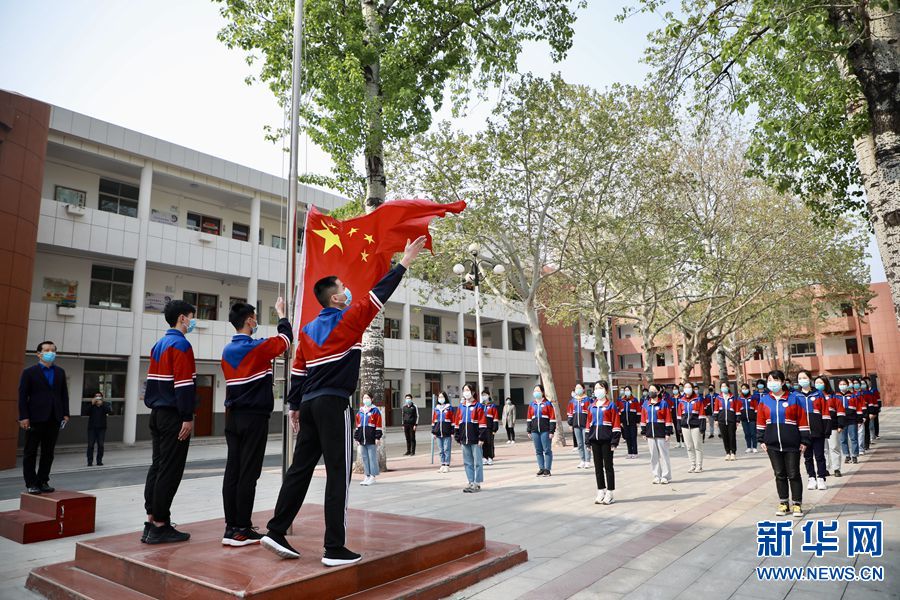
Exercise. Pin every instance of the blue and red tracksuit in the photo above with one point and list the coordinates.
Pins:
(726, 410)
(492, 416)
(442, 420)
(836, 411)
(541, 417)
(171, 376)
(247, 365)
(781, 423)
(471, 424)
(629, 418)
(690, 411)
(576, 412)
(656, 420)
(369, 426)
(603, 424)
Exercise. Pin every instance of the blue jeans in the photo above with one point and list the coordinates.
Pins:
(542, 449)
(472, 459)
(749, 433)
(444, 445)
(850, 440)
(584, 451)
(369, 455)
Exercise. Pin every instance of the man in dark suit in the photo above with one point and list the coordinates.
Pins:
(43, 409)
(96, 413)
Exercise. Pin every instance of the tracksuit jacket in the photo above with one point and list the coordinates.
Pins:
(172, 374)
(577, 412)
(781, 423)
(330, 346)
(748, 408)
(656, 420)
(836, 412)
(726, 410)
(442, 420)
(853, 408)
(690, 410)
(368, 426)
(492, 417)
(603, 424)
(541, 417)
(816, 406)
(470, 425)
(629, 411)
(247, 365)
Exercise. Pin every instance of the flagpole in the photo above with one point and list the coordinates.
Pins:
(287, 437)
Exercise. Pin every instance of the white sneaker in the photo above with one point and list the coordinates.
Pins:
(365, 481)
(441, 469)
(756, 451)
(820, 484)
(698, 470)
(664, 481)
(608, 499)
(489, 461)
(748, 450)
(692, 469)
(580, 465)
(811, 485)
(656, 480)
(371, 480)
(514, 442)
(601, 496)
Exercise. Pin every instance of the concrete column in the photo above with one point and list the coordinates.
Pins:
(253, 284)
(505, 334)
(407, 380)
(133, 376)
(506, 385)
(461, 342)
(405, 325)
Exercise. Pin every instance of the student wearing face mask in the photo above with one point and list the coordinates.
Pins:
(492, 417)
(817, 415)
(603, 433)
(410, 416)
(577, 419)
(656, 427)
(833, 426)
(96, 412)
(674, 400)
(509, 421)
(862, 414)
(367, 434)
(709, 404)
(171, 396)
(849, 435)
(871, 410)
(781, 423)
(725, 412)
(690, 413)
(748, 417)
(471, 431)
(541, 428)
(43, 410)
(876, 395)
(442, 419)
(629, 417)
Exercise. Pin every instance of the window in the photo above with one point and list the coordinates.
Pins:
(759, 353)
(517, 339)
(207, 305)
(111, 287)
(432, 328)
(593, 360)
(107, 377)
(204, 224)
(660, 360)
(846, 309)
(852, 345)
(807, 348)
(469, 338)
(392, 328)
(68, 195)
(870, 345)
(279, 242)
(240, 232)
(119, 198)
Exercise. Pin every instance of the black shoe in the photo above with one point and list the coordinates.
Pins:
(147, 526)
(406, 453)
(277, 543)
(33, 489)
(546, 472)
(837, 473)
(90, 464)
(166, 534)
(855, 460)
(99, 463)
(846, 460)
(341, 556)
(827, 473)
(46, 489)
(539, 473)
(241, 536)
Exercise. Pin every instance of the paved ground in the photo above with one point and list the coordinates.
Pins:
(695, 538)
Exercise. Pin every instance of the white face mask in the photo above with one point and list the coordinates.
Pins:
(579, 390)
(484, 397)
(688, 390)
(467, 394)
(804, 383)
(600, 393)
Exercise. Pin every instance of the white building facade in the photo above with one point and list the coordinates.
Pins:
(128, 221)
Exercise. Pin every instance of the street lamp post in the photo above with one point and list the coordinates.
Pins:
(474, 276)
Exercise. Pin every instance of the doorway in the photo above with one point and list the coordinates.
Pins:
(204, 417)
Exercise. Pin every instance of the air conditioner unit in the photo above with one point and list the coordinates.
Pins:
(76, 211)
(66, 311)
(205, 238)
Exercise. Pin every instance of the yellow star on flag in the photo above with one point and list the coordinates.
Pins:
(369, 239)
(364, 256)
(330, 237)
(352, 231)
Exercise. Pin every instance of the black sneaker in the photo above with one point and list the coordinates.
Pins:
(166, 534)
(539, 473)
(99, 463)
(46, 489)
(147, 526)
(546, 472)
(90, 464)
(846, 460)
(277, 543)
(837, 473)
(33, 490)
(341, 556)
(855, 461)
(241, 536)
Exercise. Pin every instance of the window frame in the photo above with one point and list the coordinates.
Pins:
(118, 197)
(196, 304)
(112, 282)
(431, 327)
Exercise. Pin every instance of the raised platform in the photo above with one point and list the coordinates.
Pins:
(403, 557)
(49, 516)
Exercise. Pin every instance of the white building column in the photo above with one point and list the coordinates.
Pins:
(506, 385)
(253, 284)
(404, 333)
(505, 337)
(461, 342)
(133, 375)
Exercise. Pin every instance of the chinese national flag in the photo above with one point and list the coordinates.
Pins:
(359, 250)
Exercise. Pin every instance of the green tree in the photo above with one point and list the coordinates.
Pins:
(822, 78)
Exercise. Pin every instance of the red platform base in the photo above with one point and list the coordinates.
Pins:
(49, 516)
(403, 557)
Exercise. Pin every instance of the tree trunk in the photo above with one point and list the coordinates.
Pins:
(734, 357)
(706, 367)
(543, 364)
(599, 351)
(722, 362)
(647, 349)
(688, 359)
(874, 60)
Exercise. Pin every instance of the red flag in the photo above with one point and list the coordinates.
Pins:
(359, 250)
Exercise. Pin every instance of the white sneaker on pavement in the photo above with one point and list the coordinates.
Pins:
(608, 499)
(820, 484)
(601, 496)
(811, 485)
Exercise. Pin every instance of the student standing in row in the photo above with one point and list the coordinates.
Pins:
(577, 419)
(171, 396)
(674, 400)
(629, 416)
(709, 402)
(96, 412)
(748, 418)
(782, 425)
(541, 428)
(878, 405)
(410, 414)
(368, 434)
(833, 426)
(492, 417)
(817, 416)
(690, 413)
(849, 439)
(603, 433)
(509, 421)
(656, 427)
(471, 431)
(442, 420)
(872, 409)
(725, 412)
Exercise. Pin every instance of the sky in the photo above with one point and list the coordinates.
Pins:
(155, 66)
